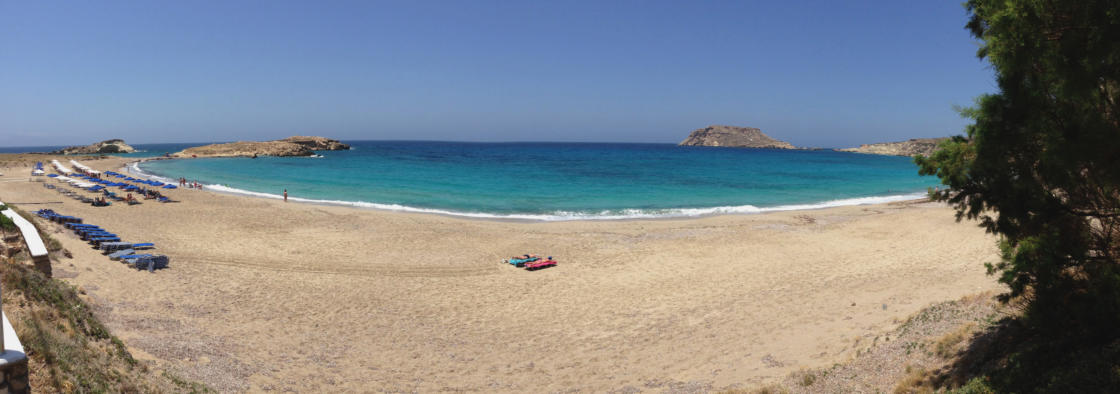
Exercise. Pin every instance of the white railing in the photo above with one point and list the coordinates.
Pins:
(30, 234)
(9, 342)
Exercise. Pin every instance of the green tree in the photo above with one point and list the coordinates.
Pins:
(1040, 165)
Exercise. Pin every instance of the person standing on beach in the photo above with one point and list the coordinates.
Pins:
(285, 195)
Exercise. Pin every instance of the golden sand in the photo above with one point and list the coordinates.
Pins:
(267, 295)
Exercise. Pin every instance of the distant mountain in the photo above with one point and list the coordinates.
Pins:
(916, 146)
(733, 137)
(107, 146)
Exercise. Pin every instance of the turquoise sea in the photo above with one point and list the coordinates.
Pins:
(557, 181)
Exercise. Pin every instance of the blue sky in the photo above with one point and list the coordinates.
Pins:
(822, 73)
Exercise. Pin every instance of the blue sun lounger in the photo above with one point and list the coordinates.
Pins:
(151, 263)
(121, 253)
(65, 219)
(97, 234)
(97, 241)
(145, 245)
(131, 258)
(108, 247)
(83, 231)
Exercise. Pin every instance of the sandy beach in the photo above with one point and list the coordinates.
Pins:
(263, 295)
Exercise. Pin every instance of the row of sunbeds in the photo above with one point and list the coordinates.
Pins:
(139, 180)
(109, 243)
(77, 196)
(101, 185)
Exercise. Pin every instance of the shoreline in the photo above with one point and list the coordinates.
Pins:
(132, 167)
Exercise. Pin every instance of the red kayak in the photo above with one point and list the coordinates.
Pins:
(536, 265)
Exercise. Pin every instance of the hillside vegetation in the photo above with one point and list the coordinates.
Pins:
(68, 348)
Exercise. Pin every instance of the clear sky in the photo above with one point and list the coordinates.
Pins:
(820, 73)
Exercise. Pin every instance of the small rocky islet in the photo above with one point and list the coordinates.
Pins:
(733, 137)
(911, 147)
(107, 146)
(287, 147)
(750, 137)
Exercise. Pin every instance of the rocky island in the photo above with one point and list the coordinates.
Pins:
(317, 143)
(107, 146)
(733, 137)
(291, 146)
(911, 147)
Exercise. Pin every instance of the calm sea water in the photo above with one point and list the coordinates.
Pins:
(558, 181)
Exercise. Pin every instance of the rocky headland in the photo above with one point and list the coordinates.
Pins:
(291, 146)
(733, 137)
(911, 147)
(107, 146)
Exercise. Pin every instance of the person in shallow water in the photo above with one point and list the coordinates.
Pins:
(285, 195)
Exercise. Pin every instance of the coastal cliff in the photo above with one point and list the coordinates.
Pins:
(107, 146)
(916, 146)
(291, 146)
(733, 137)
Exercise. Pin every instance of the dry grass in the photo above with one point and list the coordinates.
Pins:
(69, 350)
(805, 377)
(948, 345)
(916, 381)
(769, 389)
(907, 359)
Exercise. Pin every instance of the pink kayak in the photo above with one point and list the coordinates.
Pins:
(536, 265)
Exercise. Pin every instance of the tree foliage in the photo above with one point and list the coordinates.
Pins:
(1040, 165)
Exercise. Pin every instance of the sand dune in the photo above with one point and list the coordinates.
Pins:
(267, 295)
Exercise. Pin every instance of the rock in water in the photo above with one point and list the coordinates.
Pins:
(916, 146)
(107, 146)
(291, 146)
(733, 137)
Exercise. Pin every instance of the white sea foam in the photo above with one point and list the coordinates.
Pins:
(603, 215)
(134, 168)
